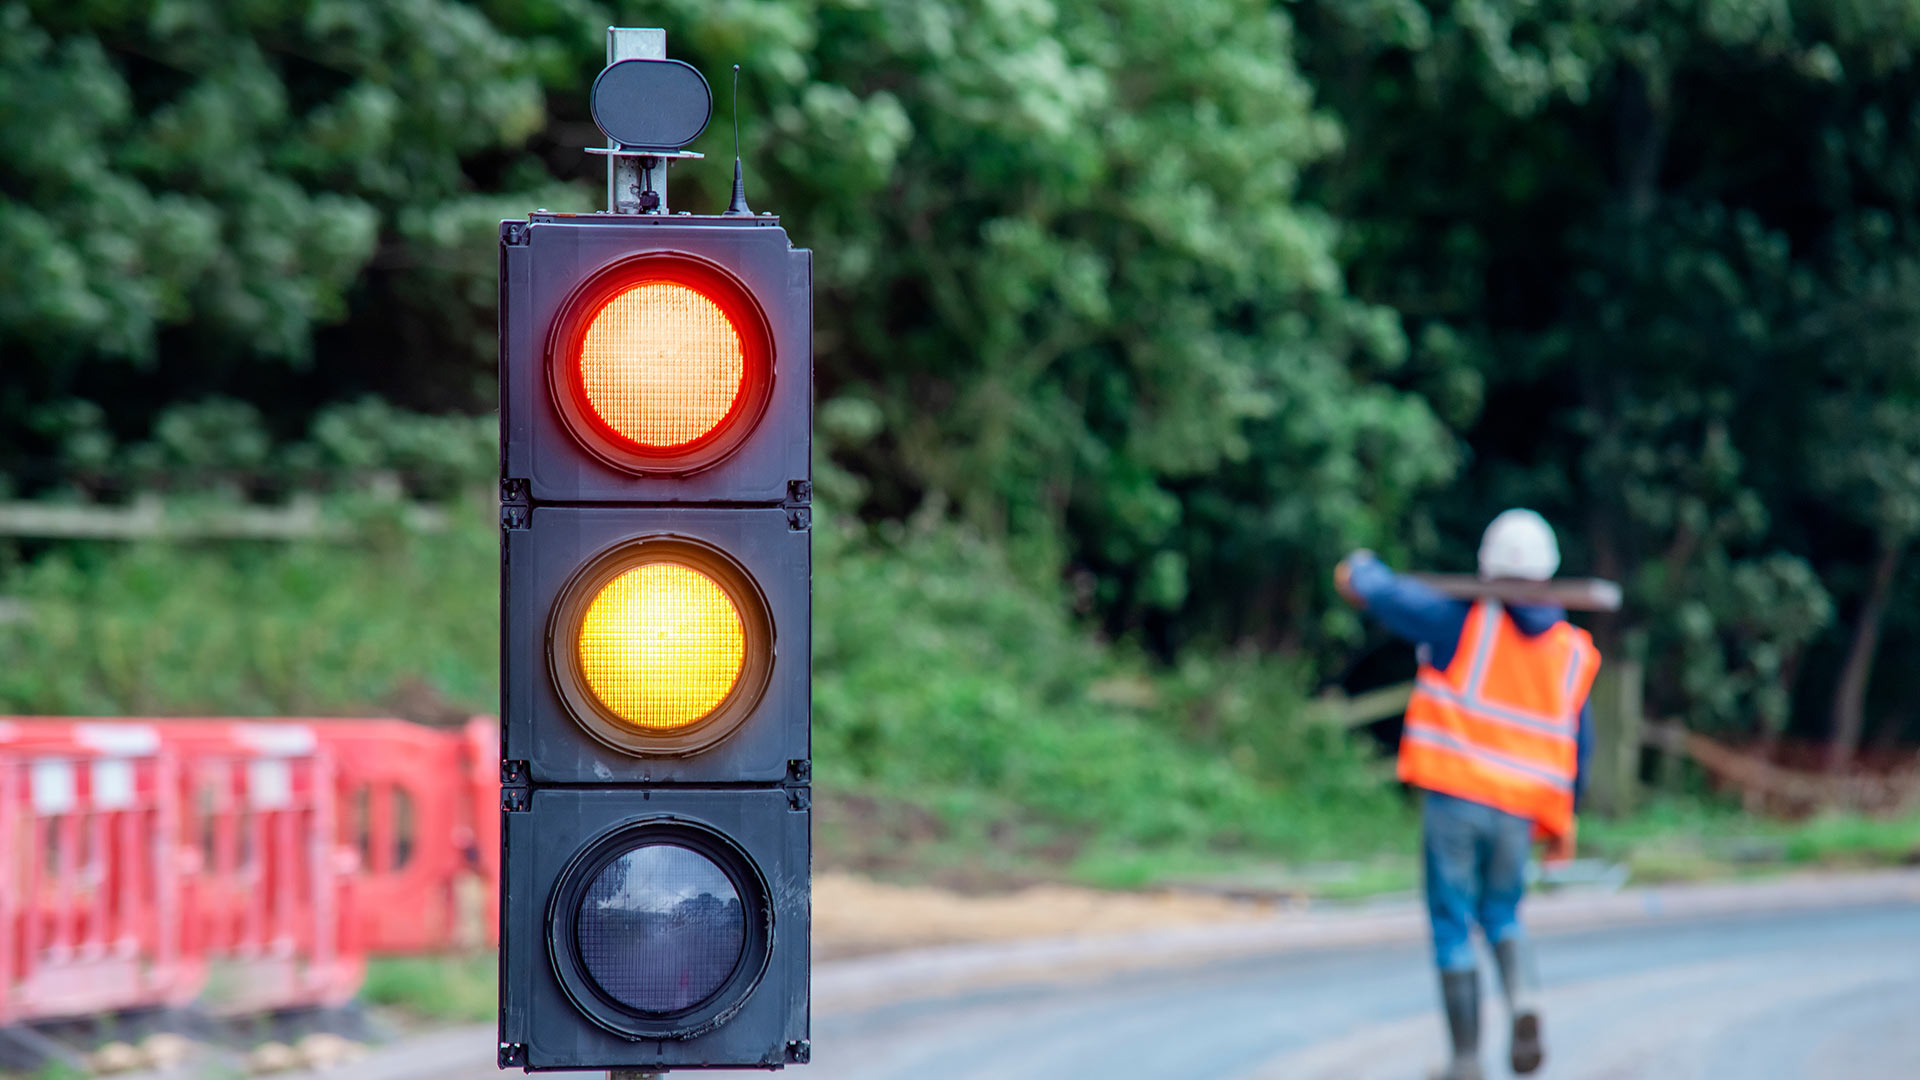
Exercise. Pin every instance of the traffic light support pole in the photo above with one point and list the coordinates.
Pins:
(628, 177)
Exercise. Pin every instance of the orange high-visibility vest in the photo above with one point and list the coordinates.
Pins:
(1499, 725)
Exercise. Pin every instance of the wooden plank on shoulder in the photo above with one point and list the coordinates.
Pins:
(1574, 594)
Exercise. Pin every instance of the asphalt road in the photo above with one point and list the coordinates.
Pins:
(1822, 994)
(1827, 994)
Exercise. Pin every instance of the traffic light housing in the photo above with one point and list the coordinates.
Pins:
(723, 980)
(567, 718)
(570, 281)
(656, 430)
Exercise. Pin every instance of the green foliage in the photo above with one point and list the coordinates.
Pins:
(1848, 840)
(221, 446)
(937, 670)
(1061, 257)
(391, 623)
(190, 191)
(1063, 269)
(460, 988)
(1159, 306)
(940, 678)
(1665, 251)
(1677, 839)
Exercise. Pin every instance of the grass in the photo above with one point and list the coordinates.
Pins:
(394, 623)
(1254, 876)
(1847, 840)
(967, 729)
(945, 680)
(460, 987)
(1698, 839)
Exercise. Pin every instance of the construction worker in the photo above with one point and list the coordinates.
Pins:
(1496, 741)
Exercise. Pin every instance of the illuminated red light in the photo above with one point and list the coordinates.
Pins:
(661, 365)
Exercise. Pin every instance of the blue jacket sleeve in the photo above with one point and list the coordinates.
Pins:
(1583, 742)
(1411, 610)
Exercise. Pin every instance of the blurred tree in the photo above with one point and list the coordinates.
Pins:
(1865, 457)
(1657, 261)
(1065, 280)
(1064, 269)
(190, 191)
(1177, 301)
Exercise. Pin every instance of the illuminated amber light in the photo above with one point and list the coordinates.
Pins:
(661, 645)
(661, 364)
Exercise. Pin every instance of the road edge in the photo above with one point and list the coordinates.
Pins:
(927, 974)
(943, 971)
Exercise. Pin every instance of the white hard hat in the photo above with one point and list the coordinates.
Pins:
(1519, 544)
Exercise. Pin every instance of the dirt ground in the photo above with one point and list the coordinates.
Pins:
(853, 915)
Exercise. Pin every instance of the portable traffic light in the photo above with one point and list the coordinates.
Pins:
(656, 425)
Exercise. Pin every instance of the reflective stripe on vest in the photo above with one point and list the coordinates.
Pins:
(1445, 741)
(1500, 725)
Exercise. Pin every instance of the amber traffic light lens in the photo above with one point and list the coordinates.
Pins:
(661, 365)
(661, 645)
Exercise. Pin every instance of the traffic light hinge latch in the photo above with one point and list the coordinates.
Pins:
(799, 784)
(799, 518)
(799, 492)
(514, 233)
(799, 1051)
(513, 518)
(512, 1054)
(514, 796)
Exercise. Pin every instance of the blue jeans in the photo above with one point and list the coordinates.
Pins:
(1476, 864)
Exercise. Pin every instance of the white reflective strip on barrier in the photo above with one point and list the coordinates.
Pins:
(284, 740)
(53, 788)
(269, 784)
(126, 740)
(112, 784)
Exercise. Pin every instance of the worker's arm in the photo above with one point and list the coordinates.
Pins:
(1412, 610)
(1583, 743)
(1560, 848)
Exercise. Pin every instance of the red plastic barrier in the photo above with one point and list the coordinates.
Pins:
(482, 748)
(403, 790)
(414, 802)
(270, 896)
(137, 857)
(421, 806)
(89, 890)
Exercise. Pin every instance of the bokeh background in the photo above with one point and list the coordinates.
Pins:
(1133, 316)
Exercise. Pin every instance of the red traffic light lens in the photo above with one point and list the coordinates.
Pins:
(661, 364)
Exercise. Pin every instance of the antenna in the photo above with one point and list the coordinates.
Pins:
(738, 207)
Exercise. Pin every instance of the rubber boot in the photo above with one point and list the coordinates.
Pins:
(1521, 981)
(1460, 993)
